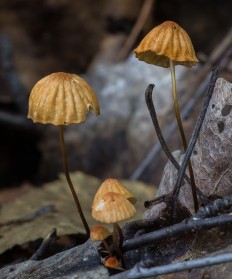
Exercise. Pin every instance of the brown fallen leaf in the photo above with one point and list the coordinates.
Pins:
(212, 155)
(23, 223)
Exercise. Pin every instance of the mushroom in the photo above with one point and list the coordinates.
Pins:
(113, 208)
(62, 99)
(113, 185)
(100, 233)
(168, 45)
(112, 262)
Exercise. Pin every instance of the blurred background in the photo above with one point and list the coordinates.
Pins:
(95, 39)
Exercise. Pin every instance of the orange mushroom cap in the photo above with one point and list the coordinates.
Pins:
(111, 262)
(112, 208)
(113, 185)
(62, 99)
(164, 42)
(99, 233)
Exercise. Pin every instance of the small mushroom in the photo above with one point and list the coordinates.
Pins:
(62, 99)
(167, 41)
(112, 262)
(168, 45)
(100, 233)
(113, 185)
(113, 208)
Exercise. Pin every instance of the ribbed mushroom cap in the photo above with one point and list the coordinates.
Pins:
(164, 42)
(113, 185)
(61, 99)
(99, 233)
(112, 208)
(111, 262)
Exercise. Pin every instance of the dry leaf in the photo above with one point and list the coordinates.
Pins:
(212, 155)
(63, 214)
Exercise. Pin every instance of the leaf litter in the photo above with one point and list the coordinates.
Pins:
(36, 213)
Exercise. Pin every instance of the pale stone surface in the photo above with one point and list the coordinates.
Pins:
(116, 141)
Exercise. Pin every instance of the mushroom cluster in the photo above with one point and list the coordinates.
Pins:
(62, 99)
(113, 203)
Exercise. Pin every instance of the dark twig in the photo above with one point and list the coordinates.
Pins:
(216, 207)
(47, 242)
(191, 225)
(195, 134)
(219, 206)
(164, 198)
(140, 270)
(152, 111)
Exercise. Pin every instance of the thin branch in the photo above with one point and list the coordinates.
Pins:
(192, 225)
(219, 206)
(216, 207)
(47, 242)
(140, 270)
(152, 111)
(146, 9)
(196, 132)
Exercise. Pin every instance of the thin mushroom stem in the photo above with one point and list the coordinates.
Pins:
(184, 141)
(120, 234)
(196, 132)
(66, 172)
(117, 242)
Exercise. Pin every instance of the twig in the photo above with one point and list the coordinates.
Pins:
(219, 206)
(79, 258)
(195, 134)
(140, 270)
(170, 130)
(191, 225)
(47, 242)
(220, 49)
(146, 9)
(216, 207)
(151, 108)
